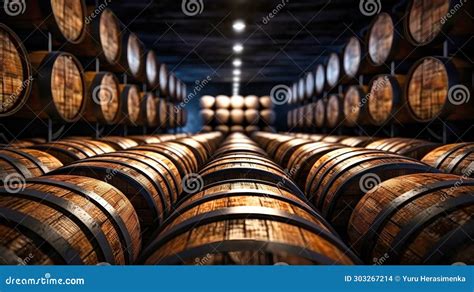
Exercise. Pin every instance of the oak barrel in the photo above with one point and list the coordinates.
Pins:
(320, 117)
(339, 179)
(334, 111)
(453, 158)
(237, 102)
(251, 102)
(404, 146)
(152, 68)
(333, 70)
(130, 104)
(416, 219)
(356, 106)
(103, 98)
(266, 102)
(207, 102)
(320, 79)
(119, 143)
(59, 220)
(163, 86)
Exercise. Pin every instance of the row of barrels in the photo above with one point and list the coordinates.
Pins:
(54, 85)
(390, 208)
(225, 129)
(237, 113)
(244, 210)
(99, 209)
(435, 88)
(90, 32)
(397, 36)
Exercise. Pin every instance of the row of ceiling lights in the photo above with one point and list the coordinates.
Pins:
(238, 26)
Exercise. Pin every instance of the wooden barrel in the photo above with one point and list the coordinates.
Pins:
(309, 82)
(152, 68)
(162, 109)
(386, 101)
(339, 179)
(453, 158)
(386, 42)
(320, 114)
(251, 129)
(119, 143)
(294, 93)
(333, 70)
(207, 102)
(433, 22)
(237, 102)
(68, 151)
(310, 113)
(66, 20)
(289, 119)
(334, 111)
(103, 37)
(268, 116)
(15, 73)
(146, 139)
(222, 116)
(206, 129)
(251, 102)
(237, 116)
(237, 129)
(25, 163)
(355, 106)
(353, 57)
(435, 89)
(103, 102)
(319, 79)
(404, 146)
(163, 79)
(223, 129)
(69, 220)
(356, 141)
(207, 115)
(265, 102)
(58, 88)
(130, 104)
(149, 180)
(286, 149)
(252, 116)
(231, 233)
(199, 148)
(133, 56)
(172, 85)
(171, 113)
(417, 219)
(222, 102)
(148, 111)
(301, 90)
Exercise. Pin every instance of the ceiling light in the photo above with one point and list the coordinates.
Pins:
(237, 72)
(236, 79)
(237, 63)
(238, 48)
(239, 26)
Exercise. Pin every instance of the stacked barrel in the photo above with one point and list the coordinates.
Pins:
(237, 113)
(244, 210)
(410, 66)
(100, 207)
(391, 208)
(128, 85)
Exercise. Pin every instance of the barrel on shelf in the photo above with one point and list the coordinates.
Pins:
(333, 70)
(334, 111)
(441, 19)
(320, 117)
(439, 87)
(68, 220)
(386, 101)
(268, 116)
(416, 219)
(237, 117)
(132, 58)
(207, 102)
(309, 83)
(294, 93)
(404, 146)
(266, 102)
(163, 79)
(68, 151)
(251, 102)
(237, 102)
(222, 102)
(148, 111)
(66, 20)
(319, 79)
(103, 98)
(58, 90)
(220, 225)
(16, 73)
(172, 82)
(18, 164)
(301, 90)
(453, 158)
(130, 104)
(152, 68)
(339, 179)
(354, 58)
(356, 106)
(103, 37)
